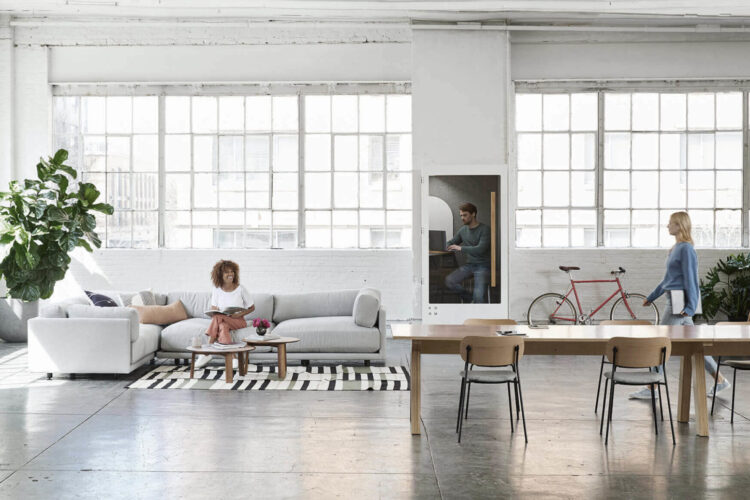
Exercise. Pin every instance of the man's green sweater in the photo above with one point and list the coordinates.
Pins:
(474, 242)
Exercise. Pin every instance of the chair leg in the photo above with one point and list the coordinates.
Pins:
(734, 386)
(716, 382)
(661, 408)
(468, 395)
(669, 408)
(461, 401)
(653, 408)
(523, 413)
(461, 418)
(599, 385)
(510, 408)
(611, 405)
(604, 405)
(518, 408)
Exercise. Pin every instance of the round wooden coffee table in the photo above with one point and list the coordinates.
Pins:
(228, 354)
(280, 345)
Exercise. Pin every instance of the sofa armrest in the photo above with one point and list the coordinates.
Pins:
(108, 313)
(79, 345)
(381, 327)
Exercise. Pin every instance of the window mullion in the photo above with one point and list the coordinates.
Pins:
(599, 195)
(162, 184)
(745, 173)
(301, 130)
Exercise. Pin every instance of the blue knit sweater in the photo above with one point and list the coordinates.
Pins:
(682, 274)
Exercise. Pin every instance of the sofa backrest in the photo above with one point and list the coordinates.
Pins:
(314, 304)
(197, 302)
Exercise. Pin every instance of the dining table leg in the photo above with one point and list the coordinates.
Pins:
(699, 393)
(683, 391)
(416, 360)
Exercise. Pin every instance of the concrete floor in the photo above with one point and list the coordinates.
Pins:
(92, 438)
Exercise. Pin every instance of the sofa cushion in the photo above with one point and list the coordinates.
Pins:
(329, 334)
(366, 307)
(178, 336)
(315, 304)
(147, 343)
(161, 315)
(83, 311)
(197, 302)
(143, 298)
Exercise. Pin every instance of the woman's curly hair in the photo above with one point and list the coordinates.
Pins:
(218, 271)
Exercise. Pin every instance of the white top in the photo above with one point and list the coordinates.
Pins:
(236, 298)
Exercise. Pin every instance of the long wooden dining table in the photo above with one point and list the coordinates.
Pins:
(691, 343)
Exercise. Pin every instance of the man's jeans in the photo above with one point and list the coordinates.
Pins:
(481, 273)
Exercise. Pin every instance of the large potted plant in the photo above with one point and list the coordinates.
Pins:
(726, 288)
(41, 222)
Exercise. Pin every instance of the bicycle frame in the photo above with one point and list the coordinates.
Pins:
(572, 289)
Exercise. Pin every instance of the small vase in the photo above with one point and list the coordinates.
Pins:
(261, 331)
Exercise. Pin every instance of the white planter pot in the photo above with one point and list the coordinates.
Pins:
(14, 316)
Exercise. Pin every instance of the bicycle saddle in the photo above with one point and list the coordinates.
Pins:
(569, 268)
(619, 270)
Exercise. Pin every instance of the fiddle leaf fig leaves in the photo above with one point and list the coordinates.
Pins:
(726, 288)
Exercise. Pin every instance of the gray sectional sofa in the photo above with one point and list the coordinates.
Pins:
(74, 337)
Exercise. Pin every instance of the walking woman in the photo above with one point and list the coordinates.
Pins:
(681, 274)
(227, 292)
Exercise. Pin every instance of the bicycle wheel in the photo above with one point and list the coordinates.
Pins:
(551, 309)
(635, 301)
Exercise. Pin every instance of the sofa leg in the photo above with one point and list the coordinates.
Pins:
(305, 362)
(152, 362)
(367, 362)
(49, 376)
(177, 361)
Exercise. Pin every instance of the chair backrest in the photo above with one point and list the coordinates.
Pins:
(490, 322)
(638, 352)
(730, 323)
(625, 322)
(492, 351)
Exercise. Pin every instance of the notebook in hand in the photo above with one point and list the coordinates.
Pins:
(678, 302)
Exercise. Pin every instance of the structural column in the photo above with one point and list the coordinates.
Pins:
(6, 101)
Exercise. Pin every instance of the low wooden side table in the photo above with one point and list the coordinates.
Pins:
(228, 354)
(280, 345)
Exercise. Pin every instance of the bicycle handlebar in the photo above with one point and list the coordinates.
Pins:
(619, 270)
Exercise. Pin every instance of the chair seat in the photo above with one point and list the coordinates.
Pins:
(635, 378)
(490, 376)
(740, 364)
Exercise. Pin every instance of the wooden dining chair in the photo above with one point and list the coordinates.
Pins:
(604, 360)
(736, 364)
(495, 352)
(489, 322)
(629, 352)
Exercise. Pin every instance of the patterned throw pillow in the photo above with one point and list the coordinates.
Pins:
(100, 300)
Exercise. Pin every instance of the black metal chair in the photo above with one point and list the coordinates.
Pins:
(629, 352)
(736, 364)
(496, 352)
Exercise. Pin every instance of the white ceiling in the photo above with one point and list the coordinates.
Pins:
(515, 11)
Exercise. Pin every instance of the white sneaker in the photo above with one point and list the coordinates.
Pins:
(202, 360)
(642, 394)
(719, 387)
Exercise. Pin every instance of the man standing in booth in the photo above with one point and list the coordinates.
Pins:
(473, 239)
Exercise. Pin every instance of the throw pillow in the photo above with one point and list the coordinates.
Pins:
(100, 300)
(366, 307)
(143, 298)
(161, 315)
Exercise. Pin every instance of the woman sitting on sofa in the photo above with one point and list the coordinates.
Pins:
(227, 292)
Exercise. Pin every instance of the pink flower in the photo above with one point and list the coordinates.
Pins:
(261, 322)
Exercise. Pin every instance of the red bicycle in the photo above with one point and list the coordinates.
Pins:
(557, 309)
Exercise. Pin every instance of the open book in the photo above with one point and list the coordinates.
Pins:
(227, 311)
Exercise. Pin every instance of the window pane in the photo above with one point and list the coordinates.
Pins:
(556, 111)
(729, 150)
(398, 152)
(118, 154)
(673, 111)
(205, 157)
(284, 230)
(528, 112)
(145, 153)
(177, 191)
(616, 189)
(146, 115)
(177, 229)
(119, 227)
(672, 189)
(372, 113)
(145, 191)
(318, 113)
(583, 187)
(555, 228)
(666, 240)
(700, 111)
(317, 152)
(616, 111)
(119, 115)
(344, 232)
(645, 111)
(616, 228)
(398, 113)
(645, 151)
(205, 191)
(145, 230)
(729, 110)
(700, 151)
(231, 190)
(345, 152)
(345, 114)
(177, 114)
(65, 116)
(398, 194)
(556, 189)
(529, 228)
(258, 229)
(583, 228)
(728, 228)
(231, 114)
(371, 152)
(617, 151)
(318, 190)
(399, 229)
(258, 114)
(92, 115)
(285, 114)
(673, 152)
(372, 229)
(204, 229)
(700, 189)
(285, 153)
(728, 189)
(583, 111)
(583, 151)
(371, 190)
(703, 227)
(257, 190)
(177, 153)
(257, 153)
(94, 153)
(529, 151)
(204, 115)
(529, 189)
(318, 229)
(230, 153)
(645, 190)
(645, 228)
(285, 192)
(346, 190)
(556, 151)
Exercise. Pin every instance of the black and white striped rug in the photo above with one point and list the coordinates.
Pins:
(265, 378)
